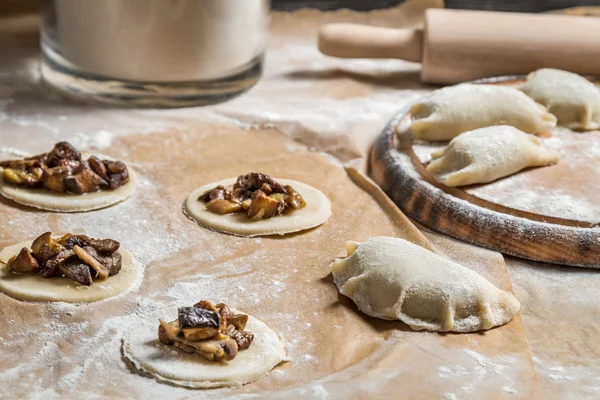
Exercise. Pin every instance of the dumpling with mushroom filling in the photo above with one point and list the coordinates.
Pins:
(393, 279)
(487, 154)
(574, 100)
(450, 111)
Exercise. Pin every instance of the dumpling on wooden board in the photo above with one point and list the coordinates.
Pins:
(487, 154)
(393, 279)
(450, 111)
(574, 100)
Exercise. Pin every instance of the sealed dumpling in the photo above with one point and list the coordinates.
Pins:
(393, 279)
(487, 154)
(574, 100)
(450, 111)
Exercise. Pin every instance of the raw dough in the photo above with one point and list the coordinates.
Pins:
(171, 365)
(392, 278)
(487, 154)
(35, 288)
(67, 202)
(574, 100)
(450, 111)
(316, 212)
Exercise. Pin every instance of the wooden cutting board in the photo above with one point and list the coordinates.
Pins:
(461, 213)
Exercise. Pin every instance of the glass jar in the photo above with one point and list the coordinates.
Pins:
(157, 53)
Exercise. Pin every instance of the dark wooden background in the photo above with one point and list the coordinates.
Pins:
(498, 5)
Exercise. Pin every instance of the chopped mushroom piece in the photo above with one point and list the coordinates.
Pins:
(30, 177)
(263, 206)
(101, 271)
(54, 178)
(221, 206)
(204, 330)
(194, 317)
(63, 170)
(111, 262)
(44, 247)
(257, 194)
(23, 262)
(62, 151)
(104, 245)
(84, 180)
(77, 270)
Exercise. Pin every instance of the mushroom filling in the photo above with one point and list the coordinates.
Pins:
(76, 257)
(258, 195)
(63, 170)
(212, 332)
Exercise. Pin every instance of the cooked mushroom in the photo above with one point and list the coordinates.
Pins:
(54, 178)
(243, 339)
(117, 173)
(68, 241)
(44, 247)
(167, 331)
(294, 199)
(223, 349)
(206, 305)
(98, 167)
(23, 262)
(221, 206)
(217, 193)
(111, 262)
(62, 151)
(194, 317)
(31, 178)
(104, 245)
(84, 180)
(101, 271)
(239, 321)
(263, 206)
(51, 267)
(254, 181)
(77, 270)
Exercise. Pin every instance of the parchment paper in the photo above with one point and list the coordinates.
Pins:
(306, 117)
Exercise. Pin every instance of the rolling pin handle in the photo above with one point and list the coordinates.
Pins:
(362, 41)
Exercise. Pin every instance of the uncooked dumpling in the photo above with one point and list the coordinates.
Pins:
(450, 111)
(574, 100)
(393, 279)
(487, 154)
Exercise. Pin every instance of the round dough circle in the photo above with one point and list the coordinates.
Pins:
(316, 212)
(171, 365)
(35, 288)
(67, 202)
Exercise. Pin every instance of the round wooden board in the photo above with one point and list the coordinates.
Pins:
(395, 167)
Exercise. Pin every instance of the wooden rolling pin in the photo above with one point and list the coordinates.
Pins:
(459, 45)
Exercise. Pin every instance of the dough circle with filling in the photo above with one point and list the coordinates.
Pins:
(32, 287)
(316, 212)
(171, 365)
(68, 202)
(393, 279)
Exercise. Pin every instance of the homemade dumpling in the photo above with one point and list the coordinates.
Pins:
(394, 279)
(487, 154)
(574, 100)
(450, 111)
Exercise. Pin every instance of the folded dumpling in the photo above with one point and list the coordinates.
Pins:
(574, 100)
(487, 154)
(393, 279)
(450, 111)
